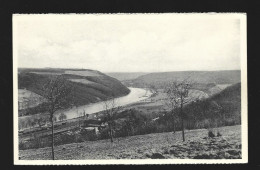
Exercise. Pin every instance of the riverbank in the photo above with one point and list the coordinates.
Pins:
(135, 95)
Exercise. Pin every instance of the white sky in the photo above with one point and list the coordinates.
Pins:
(128, 43)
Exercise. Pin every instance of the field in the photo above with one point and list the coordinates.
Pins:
(83, 81)
(152, 146)
(218, 88)
(47, 73)
(83, 73)
(126, 76)
(217, 77)
(25, 99)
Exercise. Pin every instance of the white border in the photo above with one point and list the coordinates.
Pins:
(244, 109)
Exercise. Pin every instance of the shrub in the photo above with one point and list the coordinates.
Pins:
(211, 134)
(22, 145)
(219, 134)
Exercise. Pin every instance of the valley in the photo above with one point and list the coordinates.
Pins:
(144, 107)
(127, 88)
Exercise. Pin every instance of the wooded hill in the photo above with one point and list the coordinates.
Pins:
(222, 109)
(90, 86)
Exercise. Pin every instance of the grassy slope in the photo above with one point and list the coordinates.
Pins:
(230, 100)
(217, 77)
(102, 88)
(126, 76)
(225, 106)
(157, 145)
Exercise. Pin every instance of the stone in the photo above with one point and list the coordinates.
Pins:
(227, 155)
(139, 151)
(157, 156)
(173, 151)
(202, 156)
(238, 146)
(221, 155)
(218, 134)
(233, 152)
(166, 151)
(148, 155)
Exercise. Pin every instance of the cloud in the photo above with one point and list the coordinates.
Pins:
(129, 44)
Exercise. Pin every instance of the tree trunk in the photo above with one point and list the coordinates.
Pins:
(52, 141)
(111, 134)
(173, 122)
(182, 124)
(173, 126)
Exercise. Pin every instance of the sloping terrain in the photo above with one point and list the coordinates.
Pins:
(126, 76)
(221, 109)
(90, 85)
(28, 99)
(152, 146)
(217, 77)
(218, 88)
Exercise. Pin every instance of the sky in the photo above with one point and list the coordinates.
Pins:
(128, 43)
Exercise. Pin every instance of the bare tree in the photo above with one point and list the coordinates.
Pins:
(178, 96)
(78, 129)
(110, 110)
(172, 102)
(57, 93)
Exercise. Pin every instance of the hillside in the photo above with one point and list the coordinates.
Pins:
(205, 77)
(151, 146)
(221, 109)
(126, 76)
(90, 85)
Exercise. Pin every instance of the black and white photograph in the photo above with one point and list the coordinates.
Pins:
(130, 88)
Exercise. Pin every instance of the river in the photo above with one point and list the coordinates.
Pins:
(135, 95)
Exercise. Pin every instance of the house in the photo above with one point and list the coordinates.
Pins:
(92, 129)
(93, 125)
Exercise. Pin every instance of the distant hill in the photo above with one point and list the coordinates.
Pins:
(90, 85)
(207, 77)
(126, 76)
